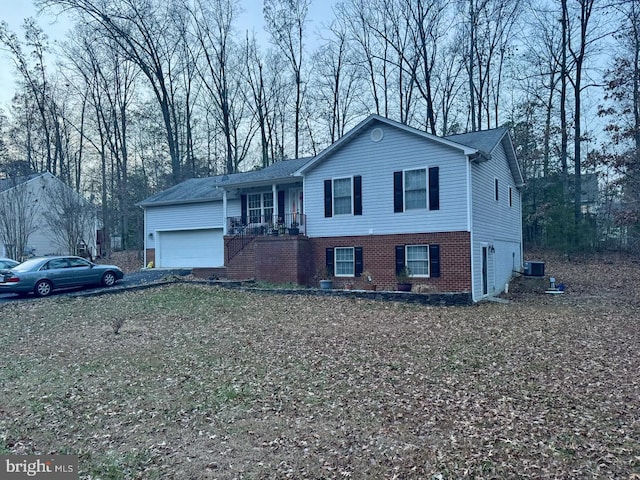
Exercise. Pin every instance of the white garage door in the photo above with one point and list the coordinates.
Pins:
(190, 248)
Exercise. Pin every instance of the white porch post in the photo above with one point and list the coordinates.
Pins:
(274, 193)
(224, 212)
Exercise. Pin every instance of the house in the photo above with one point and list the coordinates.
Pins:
(382, 198)
(45, 216)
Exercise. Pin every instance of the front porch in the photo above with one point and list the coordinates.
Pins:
(269, 258)
(274, 225)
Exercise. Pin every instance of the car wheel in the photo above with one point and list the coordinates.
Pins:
(43, 288)
(108, 279)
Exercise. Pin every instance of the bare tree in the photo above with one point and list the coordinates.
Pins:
(488, 31)
(70, 219)
(286, 21)
(19, 213)
(337, 80)
(143, 31)
(37, 89)
(213, 30)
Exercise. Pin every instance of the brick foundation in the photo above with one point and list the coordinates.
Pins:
(282, 259)
(301, 260)
(379, 259)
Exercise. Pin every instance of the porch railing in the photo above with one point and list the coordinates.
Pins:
(243, 230)
(256, 225)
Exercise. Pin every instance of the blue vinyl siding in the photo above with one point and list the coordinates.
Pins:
(182, 217)
(495, 223)
(376, 162)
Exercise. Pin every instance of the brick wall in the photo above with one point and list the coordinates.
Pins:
(379, 259)
(285, 259)
(242, 266)
(282, 259)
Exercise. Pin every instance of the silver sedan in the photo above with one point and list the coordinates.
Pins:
(43, 275)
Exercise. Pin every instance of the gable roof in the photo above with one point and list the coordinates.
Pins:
(484, 140)
(210, 189)
(11, 182)
(477, 146)
(487, 140)
(471, 152)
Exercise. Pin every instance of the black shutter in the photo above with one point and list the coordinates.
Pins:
(328, 199)
(434, 261)
(434, 188)
(280, 206)
(329, 261)
(399, 259)
(243, 209)
(397, 192)
(358, 261)
(357, 195)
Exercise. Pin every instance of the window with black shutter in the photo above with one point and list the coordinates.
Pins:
(398, 192)
(434, 261)
(434, 188)
(357, 195)
(358, 261)
(329, 261)
(328, 198)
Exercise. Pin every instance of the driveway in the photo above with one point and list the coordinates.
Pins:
(130, 280)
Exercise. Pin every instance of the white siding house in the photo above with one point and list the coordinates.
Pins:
(40, 191)
(382, 198)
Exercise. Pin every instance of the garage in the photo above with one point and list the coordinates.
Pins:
(190, 248)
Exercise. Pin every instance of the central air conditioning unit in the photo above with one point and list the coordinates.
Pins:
(534, 269)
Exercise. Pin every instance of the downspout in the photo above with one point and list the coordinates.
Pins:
(470, 227)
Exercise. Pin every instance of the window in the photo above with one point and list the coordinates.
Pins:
(267, 206)
(417, 260)
(56, 264)
(344, 262)
(510, 197)
(496, 189)
(342, 196)
(77, 262)
(255, 207)
(260, 207)
(421, 260)
(415, 189)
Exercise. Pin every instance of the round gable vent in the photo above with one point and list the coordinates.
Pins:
(377, 134)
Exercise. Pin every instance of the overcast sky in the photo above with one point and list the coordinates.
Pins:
(15, 11)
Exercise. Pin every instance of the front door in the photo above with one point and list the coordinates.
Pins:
(485, 270)
(296, 206)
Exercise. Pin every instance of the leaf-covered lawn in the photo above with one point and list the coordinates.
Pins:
(203, 382)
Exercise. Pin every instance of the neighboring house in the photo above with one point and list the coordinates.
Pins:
(49, 212)
(383, 197)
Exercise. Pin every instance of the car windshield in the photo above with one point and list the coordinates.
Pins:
(28, 265)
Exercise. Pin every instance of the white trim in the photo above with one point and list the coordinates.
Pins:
(144, 210)
(276, 213)
(224, 212)
(412, 275)
(333, 196)
(404, 188)
(335, 262)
